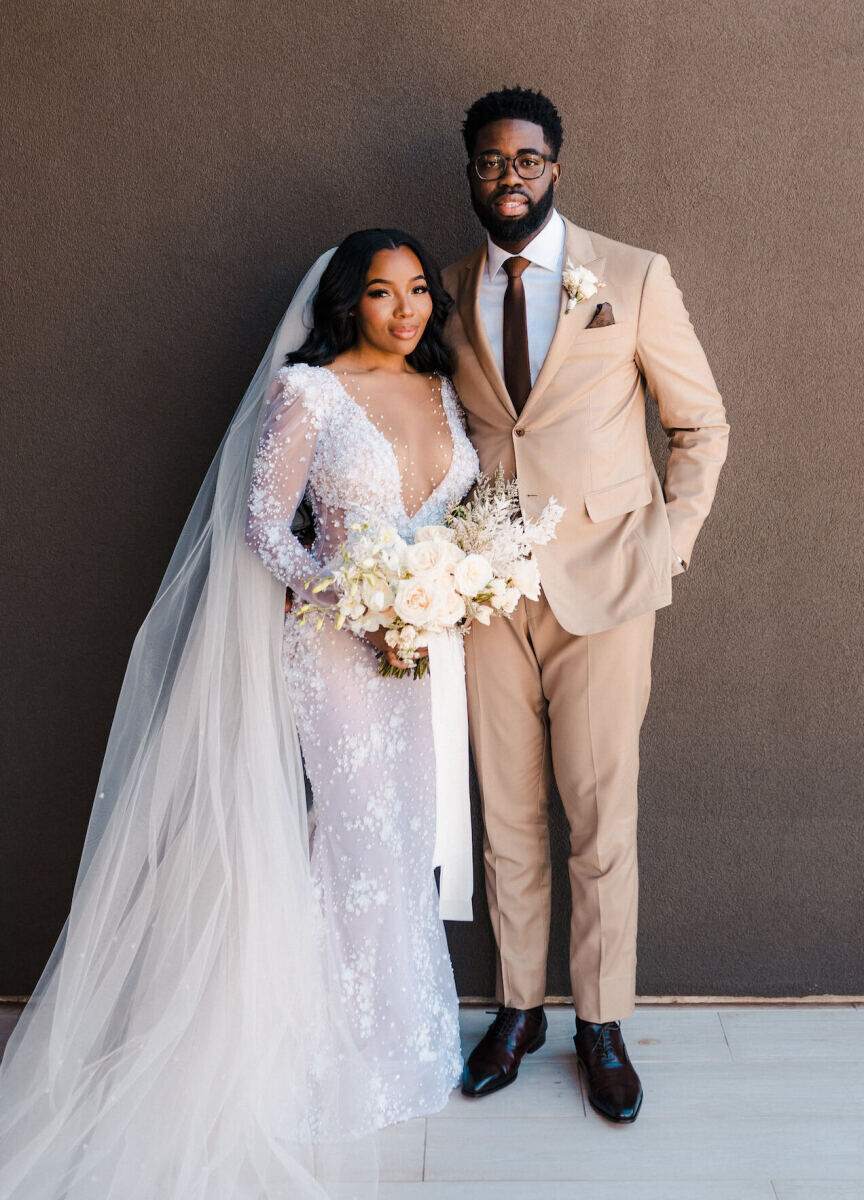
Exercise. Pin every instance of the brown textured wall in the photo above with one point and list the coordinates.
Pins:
(169, 169)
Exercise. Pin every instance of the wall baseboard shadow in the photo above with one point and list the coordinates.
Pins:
(712, 1001)
(641, 1001)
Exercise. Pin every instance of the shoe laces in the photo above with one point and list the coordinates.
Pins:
(505, 1022)
(603, 1043)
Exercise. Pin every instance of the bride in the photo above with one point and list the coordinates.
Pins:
(227, 1015)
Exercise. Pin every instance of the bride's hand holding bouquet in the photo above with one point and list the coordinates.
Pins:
(476, 565)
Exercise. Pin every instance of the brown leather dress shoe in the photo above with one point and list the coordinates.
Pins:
(495, 1060)
(614, 1090)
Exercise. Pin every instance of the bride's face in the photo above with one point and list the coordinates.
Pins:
(396, 304)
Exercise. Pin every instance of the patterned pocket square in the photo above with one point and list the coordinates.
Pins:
(603, 316)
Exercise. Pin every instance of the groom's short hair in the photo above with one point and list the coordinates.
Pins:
(513, 104)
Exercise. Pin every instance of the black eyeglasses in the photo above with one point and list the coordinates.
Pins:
(527, 165)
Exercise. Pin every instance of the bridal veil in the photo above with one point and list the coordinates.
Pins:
(185, 1040)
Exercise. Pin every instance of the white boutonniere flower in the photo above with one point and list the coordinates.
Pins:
(579, 283)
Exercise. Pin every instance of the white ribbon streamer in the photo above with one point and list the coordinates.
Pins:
(453, 851)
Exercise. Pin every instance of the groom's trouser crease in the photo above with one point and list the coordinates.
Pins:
(538, 693)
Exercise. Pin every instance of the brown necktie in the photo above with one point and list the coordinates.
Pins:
(517, 364)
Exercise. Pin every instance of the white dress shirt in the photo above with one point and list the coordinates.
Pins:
(542, 282)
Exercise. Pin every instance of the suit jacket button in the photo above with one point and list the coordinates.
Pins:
(518, 432)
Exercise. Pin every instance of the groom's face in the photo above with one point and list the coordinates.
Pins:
(512, 208)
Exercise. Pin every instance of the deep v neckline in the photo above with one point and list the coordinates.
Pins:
(364, 416)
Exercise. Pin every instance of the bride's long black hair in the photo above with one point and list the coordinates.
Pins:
(341, 287)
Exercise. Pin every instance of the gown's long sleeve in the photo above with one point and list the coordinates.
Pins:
(279, 477)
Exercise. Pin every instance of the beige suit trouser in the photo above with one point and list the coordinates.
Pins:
(543, 700)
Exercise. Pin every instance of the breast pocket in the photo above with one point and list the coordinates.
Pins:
(605, 333)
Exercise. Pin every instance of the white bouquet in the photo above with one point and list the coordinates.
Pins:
(476, 565)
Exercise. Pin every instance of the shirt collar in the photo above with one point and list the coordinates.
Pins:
(545, 250)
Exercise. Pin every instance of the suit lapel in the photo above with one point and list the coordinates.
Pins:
(579, 251)
(472, 320)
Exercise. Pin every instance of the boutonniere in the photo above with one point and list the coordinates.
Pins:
(579, 283)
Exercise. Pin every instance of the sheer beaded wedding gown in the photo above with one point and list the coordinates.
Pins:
(366, 740)
(216, 1007)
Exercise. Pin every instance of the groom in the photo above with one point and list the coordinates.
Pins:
(552, 374)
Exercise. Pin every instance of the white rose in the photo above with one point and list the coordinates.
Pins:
(483, 614)
(450, 608)
(525, 575)
(431, 558)
(434, 533)
(472, 574)
(416, 601)
(452, 553)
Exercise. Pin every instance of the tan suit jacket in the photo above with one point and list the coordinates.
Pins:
(581, 436)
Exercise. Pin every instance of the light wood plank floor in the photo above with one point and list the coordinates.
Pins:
(742, 1103)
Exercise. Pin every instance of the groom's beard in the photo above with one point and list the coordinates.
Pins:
(515, 231)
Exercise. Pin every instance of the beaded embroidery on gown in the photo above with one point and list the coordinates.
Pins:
(366, 740)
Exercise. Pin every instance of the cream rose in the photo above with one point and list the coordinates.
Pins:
(451, 607)
(416, 602)
(431, 558)
(434, 533)
(472, 574)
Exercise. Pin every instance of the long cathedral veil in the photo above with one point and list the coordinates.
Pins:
(185, 1040)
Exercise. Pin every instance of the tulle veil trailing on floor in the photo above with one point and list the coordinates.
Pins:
(186, 1039)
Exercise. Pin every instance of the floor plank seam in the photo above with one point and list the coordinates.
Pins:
(725, 1035)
